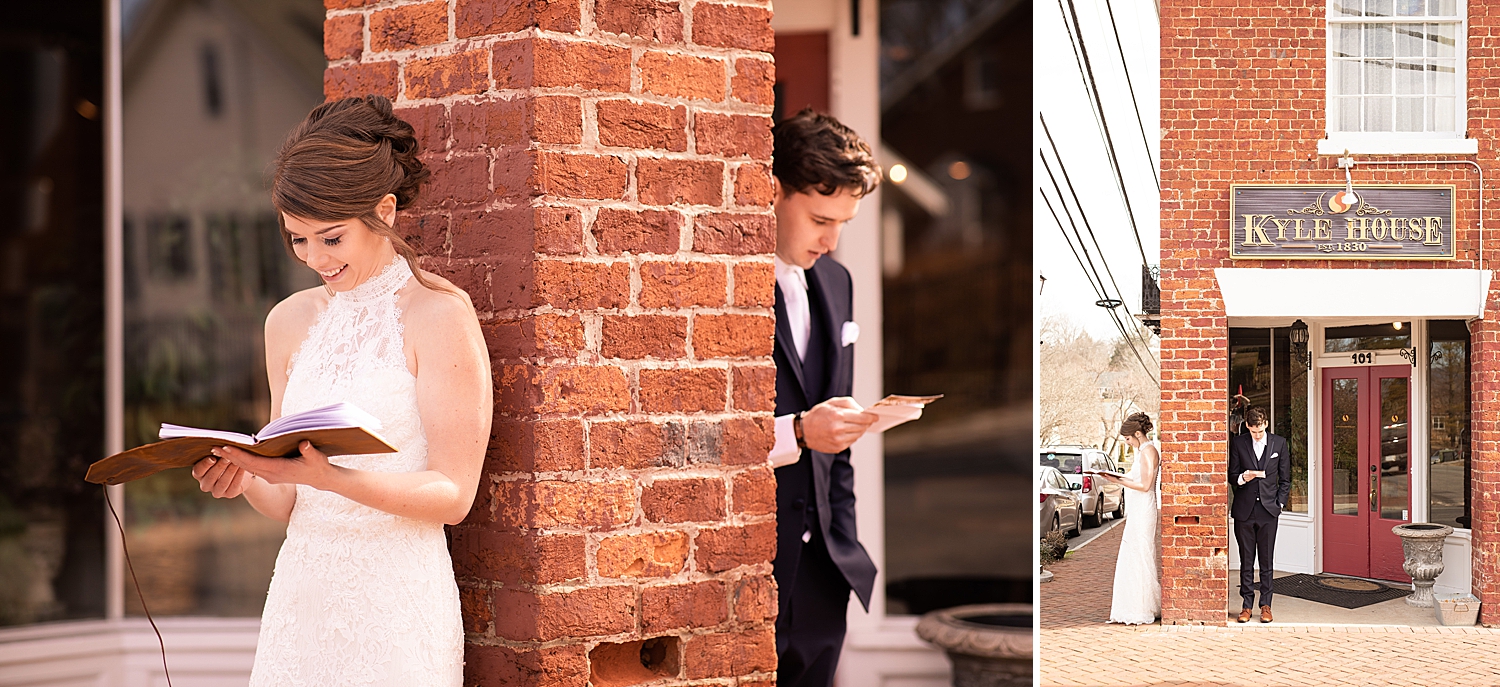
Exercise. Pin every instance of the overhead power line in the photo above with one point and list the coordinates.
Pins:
(1141, 122)
(1075, 34)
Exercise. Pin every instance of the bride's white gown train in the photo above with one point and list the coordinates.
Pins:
(1137, 597)
(360, 596)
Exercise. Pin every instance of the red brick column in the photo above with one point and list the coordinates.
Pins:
(1243, 101)
(602, 190)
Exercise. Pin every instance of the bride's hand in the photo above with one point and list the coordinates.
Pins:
(311, 468)
(221, 478)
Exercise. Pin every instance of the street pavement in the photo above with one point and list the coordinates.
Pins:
(1079, 648)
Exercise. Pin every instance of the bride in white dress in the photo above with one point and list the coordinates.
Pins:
(363, 591)
(1137, 597)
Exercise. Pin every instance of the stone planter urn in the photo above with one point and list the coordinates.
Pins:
(988, 644)
(1422, 542)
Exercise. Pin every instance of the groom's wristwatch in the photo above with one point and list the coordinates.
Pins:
(797, 430)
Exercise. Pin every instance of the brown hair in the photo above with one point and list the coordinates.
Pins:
(1137, 422)
(814, 150)
(341, 161)
(1255, 416)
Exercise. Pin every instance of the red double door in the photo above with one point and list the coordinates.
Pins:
(1366, 469)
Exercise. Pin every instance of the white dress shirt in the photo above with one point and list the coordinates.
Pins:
(793, 282)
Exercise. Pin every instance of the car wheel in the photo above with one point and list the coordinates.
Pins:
(1096, 518)
(1119, 513)
(1056, 523)
(1077, 525)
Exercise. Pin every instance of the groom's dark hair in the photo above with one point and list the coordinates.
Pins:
(1255, 416)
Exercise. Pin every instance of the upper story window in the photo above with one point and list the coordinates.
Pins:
(1396, 72)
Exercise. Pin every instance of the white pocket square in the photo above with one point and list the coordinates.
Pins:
(850, 333)
(1274, 455)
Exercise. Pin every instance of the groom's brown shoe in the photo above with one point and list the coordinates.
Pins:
(1244, 616)
(1265, 614)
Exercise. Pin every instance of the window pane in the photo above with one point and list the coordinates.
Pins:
(1409, 114)
(1249, 374)
(1410, 40)
(1378, 40)
(1345, 477)
(212, 266)
(1444, 77)
(1346, 77)
(1345, 8)
(1394, 464)
(1346, 115)
(51, 317)
(1377, 77)
(1409, 8)
(1346, 40)
(1377, 8)
(1448, 481)
(1289, 412)
(1442, 8)
(1366, 337)
(1410, 78)
(1442, 40)
(1377, 114)
(1443, 115)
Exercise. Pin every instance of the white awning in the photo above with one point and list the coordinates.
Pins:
(1389, 293)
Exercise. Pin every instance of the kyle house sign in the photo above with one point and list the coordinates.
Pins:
(1337, 223)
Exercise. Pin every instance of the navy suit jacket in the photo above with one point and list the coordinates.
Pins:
(817, 492)
(1273, 489)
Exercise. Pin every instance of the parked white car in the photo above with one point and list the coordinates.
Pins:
(1097, 496)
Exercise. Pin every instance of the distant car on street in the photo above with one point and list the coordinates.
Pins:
(1097, 496)
(1059, 509)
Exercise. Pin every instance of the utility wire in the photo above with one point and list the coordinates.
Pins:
(1155, 176)
(1091, 272)
(1109, 143)
(1084, 216)
(1114, 317)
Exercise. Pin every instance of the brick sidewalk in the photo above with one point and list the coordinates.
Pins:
(1079, 648)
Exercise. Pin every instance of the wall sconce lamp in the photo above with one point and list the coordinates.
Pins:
(1299, 337)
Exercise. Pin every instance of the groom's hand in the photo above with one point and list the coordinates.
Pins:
(1246, 476)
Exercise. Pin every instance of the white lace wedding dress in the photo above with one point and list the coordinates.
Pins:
(360, 596)
(1137, 598)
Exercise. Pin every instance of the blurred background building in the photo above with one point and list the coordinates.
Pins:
(941, 257)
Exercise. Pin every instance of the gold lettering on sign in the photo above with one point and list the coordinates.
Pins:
(1298, 233)
(1281, 225)
(1379, 228)
(1322, 230)
(1434, 235)
(1255, 226)
(1357, 228)
(1398, 229)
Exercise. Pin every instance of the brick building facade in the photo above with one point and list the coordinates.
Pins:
(602, 190)
(1248, 98)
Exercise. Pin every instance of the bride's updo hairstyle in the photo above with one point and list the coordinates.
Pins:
(1137, 422)
(341, 161)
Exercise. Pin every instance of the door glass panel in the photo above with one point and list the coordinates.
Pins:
(1367, 337)
(1394, 466)
(1345, 477)
(1449, 485)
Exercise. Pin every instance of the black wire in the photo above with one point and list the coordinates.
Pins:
(1084, 216)
(137, 582)
(1109, 143)
(1155, 176)
(1099, 289)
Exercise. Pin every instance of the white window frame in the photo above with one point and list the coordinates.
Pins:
(1400, 142)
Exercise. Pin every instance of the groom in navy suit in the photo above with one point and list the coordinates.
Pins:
(821, 171)
(1260, 472)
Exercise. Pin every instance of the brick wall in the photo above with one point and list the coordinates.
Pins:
(602, 190)
(1242, 101)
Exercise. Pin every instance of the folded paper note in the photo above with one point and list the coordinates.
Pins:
(894, 410)
(337, 430)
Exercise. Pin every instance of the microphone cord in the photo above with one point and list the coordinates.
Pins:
(126, 550)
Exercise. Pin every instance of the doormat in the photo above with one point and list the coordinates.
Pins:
(1343, 592)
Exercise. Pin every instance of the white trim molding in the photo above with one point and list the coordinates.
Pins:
(206, 652)
(1416, 294)
(1394, 144)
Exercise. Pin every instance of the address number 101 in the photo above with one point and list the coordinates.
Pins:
(1364, 358)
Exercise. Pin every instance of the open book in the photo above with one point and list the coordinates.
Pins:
(894, 410)
(337, 430)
